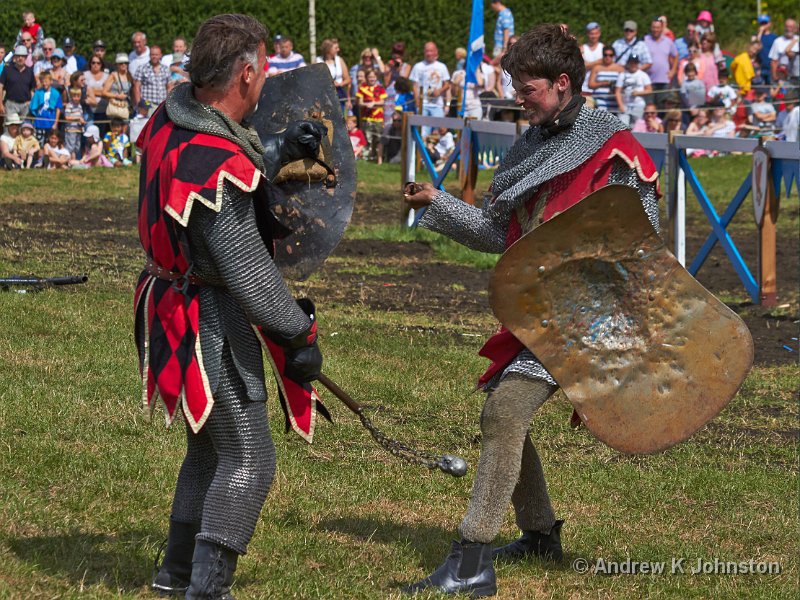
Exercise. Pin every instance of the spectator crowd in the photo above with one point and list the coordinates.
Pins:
(63, 110)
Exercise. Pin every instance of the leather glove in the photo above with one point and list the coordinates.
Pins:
(303, 357)
(299, 140)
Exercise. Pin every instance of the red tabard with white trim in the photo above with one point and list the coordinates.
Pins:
(554, 197)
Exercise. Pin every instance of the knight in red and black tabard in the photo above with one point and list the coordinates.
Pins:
(210, 293)
(568, 152)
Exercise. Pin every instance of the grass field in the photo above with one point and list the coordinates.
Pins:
(86, 480)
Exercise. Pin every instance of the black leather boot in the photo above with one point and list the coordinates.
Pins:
(171, 577)
(533, 543)
(212, 572)
(468, 570)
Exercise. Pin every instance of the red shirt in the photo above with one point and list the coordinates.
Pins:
(374, 93)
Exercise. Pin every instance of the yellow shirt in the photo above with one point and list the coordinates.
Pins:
(743, 72)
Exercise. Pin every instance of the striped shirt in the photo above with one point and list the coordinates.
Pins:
(278, 64)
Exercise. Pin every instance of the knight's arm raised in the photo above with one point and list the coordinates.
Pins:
(465, 224)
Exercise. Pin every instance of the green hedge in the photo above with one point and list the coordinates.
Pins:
(361, 23)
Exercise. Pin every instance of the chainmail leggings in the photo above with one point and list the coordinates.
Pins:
(509, 468)
(229, 466)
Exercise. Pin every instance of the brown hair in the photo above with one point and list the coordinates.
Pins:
(221, 43)
(326, 46)
(546, 51)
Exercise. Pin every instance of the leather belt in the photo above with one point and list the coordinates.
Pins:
(180, 280)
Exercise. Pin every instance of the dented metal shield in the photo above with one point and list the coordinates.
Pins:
(318, 201)
(645, 354)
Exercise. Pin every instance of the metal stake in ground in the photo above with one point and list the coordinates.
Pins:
(452, 465)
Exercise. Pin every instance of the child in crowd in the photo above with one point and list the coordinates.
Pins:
(632, 86)
(356, 136)
(693, 92)
(698, 127)
(117, 145)
(762, 112)
(58, 157)
(404, 101)
(440, 144)
(26, 146)
(30, 26)
(723, 92)
(370, 101)
(75, 120)
(720, 125)
(673, 121)
(93, 153)
(177, 74)
(46, 106)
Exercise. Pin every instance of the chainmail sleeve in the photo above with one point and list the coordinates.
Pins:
(466, 224)
(241, 263)
(623, 174)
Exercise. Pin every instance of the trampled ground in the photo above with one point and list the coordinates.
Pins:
(86, 481)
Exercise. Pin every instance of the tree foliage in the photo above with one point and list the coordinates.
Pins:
(359, 24)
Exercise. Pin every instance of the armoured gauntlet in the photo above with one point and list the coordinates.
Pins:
(303, 357)
(299, 140)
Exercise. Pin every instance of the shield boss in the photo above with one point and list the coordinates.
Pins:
(645, 354)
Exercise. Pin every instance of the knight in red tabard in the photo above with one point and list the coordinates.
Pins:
(569, 152)
(209, 295)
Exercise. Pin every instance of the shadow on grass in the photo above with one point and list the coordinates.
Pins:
(122, 562)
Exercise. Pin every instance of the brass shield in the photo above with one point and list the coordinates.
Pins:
(317, 204)
(645, 354)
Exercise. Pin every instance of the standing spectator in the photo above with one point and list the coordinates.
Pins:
(18, 83)
(633, 85)
(743, 69)
(791, 125)
(392, 139)
(58, 72)
(370, 100)
(504, 27)
(693, 90)
(394, 68)
(286, 59)
(667, 31)
(99, 50)
(27, 44)
(664, 64)
(682, 43)
(404, 100)
(650, 123)
(95, 80)
(140, 55)
(767, 38)
(31, 28)
(329, 54)
(694, 58)
(2, 57)
(150, 81)
(8, 158)
(707, 69)
(592, 52)
(603, 80)
(784, 52)
(431, 80)
(370, 61)
(27, 147)
(46, 107)
(75, 119)
(119, 86)
(44, 64)
(630, 45)
(179, 46)
(72, 62)
(472, 107)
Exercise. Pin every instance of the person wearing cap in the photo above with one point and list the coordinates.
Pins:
(72, 62)
(629, 44)
(664, 65)
(784, 53)
(58, 72)
(99, 50)
(504, 27)
(17, 84)
(704, 22)
(766, 37)
(592, 52)
(26, 146)
(118, 87)
(7, 157)
(140, 55)
(632, 87)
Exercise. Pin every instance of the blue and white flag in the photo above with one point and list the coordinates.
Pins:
(476, 44)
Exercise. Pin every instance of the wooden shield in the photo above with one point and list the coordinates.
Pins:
(316, 207)
(645, 354)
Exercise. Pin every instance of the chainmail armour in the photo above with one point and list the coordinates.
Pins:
(230, 463)
(529, 163)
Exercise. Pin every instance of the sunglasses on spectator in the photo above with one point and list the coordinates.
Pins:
(27, 39)
(630, 30)
(96, 62)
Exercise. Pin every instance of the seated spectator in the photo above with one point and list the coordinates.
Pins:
(392, 139)
(440, 145)
(720, 124)
(8, 158)
(673, 121)
(93, 155)
(698, 127)
(723, 92)
(26, 146)
(55, 154)
(75, 119)
(603, 79)
(762, 112)
(357, 138)
(46, 106)
(632, 86)
(650, 123)
(286, 59)
(117, 145)
(791, 125)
